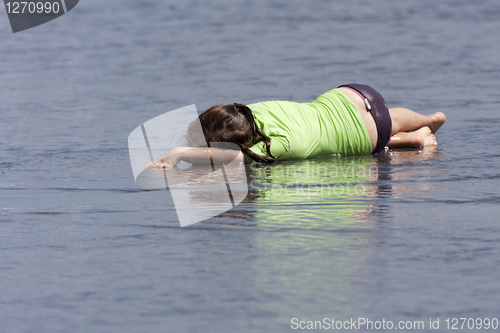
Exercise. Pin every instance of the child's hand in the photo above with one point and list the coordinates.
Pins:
(169, 160)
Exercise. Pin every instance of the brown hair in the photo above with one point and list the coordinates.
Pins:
(231, 123)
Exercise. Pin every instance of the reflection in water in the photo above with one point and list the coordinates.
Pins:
(327, 193)
(409, 172)
(317, 227)
(200, 193)
(312, 192)
(312, 218)
(313, 226)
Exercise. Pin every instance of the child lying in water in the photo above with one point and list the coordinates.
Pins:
(352, 119)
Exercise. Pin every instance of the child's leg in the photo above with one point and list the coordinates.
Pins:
(404, 120)
(415, 139)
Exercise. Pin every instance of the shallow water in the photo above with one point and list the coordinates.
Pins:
(84, 249)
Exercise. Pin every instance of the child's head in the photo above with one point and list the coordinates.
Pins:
(231, 123)
(224, 123)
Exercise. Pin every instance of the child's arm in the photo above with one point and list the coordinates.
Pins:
(198, 155)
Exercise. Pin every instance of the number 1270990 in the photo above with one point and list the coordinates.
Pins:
(25, 7)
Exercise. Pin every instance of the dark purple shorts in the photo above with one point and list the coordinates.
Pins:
(376, 105)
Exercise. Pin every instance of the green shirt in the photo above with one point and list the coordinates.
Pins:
(330, 125)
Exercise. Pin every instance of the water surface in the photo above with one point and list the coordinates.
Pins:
(82, 248)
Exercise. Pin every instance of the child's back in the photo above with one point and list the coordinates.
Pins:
(330, 125)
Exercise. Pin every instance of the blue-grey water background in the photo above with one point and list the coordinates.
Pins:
(83, 249)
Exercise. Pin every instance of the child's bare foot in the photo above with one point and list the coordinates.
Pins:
(426, 138)
(437, 119)
(430, 141)
(415, 139)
